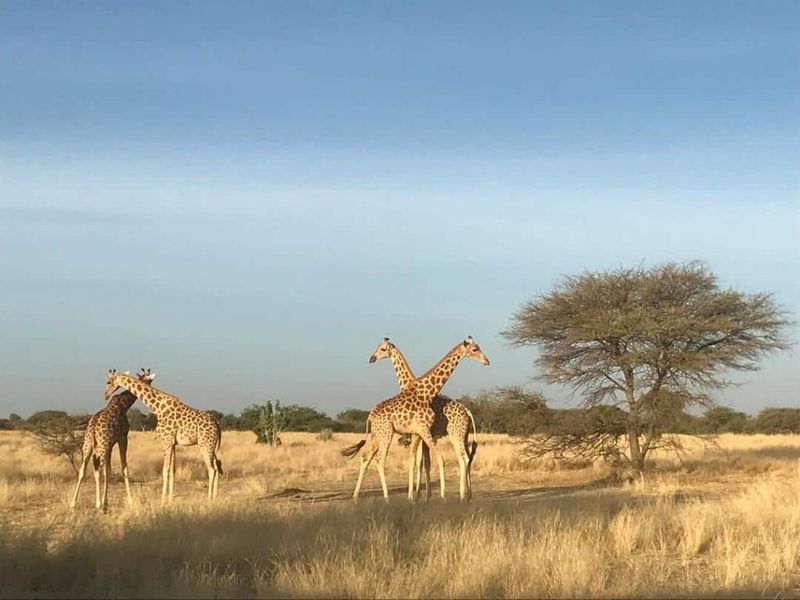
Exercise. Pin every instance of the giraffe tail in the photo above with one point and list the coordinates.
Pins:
(351, 451)
(473, 448)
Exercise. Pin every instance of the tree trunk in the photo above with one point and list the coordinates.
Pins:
(636, 453)
(633, 419)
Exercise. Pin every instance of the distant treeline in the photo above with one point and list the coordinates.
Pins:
(298, 418)
(494, 412)
(497, 411)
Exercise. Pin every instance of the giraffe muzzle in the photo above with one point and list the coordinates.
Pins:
(372, 359)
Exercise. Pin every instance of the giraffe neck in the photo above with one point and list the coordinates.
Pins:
(156, 400)
(401, 369)
(434, 379)
(124, 400)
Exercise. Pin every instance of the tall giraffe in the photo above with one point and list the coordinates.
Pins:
(107, 427)
(410, 411)
(452, 419)
(178, 424)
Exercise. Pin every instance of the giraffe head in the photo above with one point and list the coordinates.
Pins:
(113, 380)
(146, 375)
(470, 349)
(384, 350)
(112, 384)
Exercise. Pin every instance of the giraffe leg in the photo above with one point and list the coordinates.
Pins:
(212, 476)
(123, 459)
(216, 477)
(463, 460)
(366, 458)
(216, 482)
(425, 465)
(412, 467)
(165, 471)
(96, 473)
(417, 470)
(440, 462)
(422, 456)
(81, 474)
(172, 473)
(106, 472)
(427, 438)
(208, 457)
(469, 467)
(217, 463)
(383, 450)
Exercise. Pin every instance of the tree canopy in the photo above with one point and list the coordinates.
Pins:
(653, 340)
(58, 433)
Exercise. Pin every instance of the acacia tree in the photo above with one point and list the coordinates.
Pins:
(59, 434)
(648, 340)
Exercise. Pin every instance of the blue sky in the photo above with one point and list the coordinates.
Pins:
(247, 197)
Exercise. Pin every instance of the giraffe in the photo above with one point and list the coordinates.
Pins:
(452, 420)
(410, 411)
(107, 427)
(178, 424)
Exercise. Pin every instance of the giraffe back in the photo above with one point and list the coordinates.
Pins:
(404, 413)
(191, 426)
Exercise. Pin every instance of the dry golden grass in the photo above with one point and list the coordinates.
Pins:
(725, 522)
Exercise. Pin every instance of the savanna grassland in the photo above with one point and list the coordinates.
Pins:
(724, 522)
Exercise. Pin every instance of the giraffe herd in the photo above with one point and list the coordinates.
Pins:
(417, 409)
